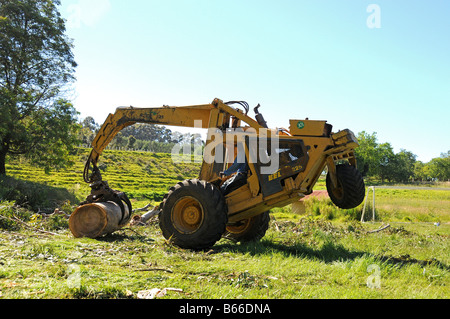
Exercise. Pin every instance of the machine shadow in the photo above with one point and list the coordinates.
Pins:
(126, 234)
(329, 252)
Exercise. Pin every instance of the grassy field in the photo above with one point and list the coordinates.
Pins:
(325, 253)
(143, 176)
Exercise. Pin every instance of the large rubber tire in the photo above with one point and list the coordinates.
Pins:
(252, 229)
(193, 215)
(350, 191)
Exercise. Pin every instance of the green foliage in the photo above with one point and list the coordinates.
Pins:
(8, 213)
(36, 66)
(131, 142)
(57, 131)
(33, 195)
(367, 154)
(148, 132)
(439, 167)
(325, 209)
(379, 161)
(17, 218)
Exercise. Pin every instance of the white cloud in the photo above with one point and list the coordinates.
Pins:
(86, 12)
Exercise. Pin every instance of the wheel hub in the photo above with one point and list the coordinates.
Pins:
(192, 215)
(187, 215)
(338, 192)
(239, 228)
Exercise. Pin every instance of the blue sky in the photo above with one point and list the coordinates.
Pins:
(317, 59)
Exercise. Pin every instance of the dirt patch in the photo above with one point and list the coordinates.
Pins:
(299, 207)
(322, 194)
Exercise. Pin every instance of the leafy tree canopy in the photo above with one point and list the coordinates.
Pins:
(36, 67)
(380, 161)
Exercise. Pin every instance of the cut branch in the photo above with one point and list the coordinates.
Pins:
(378, 230)
(156, 269)
(15, 219)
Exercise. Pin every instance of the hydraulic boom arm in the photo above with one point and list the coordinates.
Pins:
(217, 115)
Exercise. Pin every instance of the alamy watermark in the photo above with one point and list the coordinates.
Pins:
(86, 12)
(74, 276)
(374, 19)
(374, 280)
(233, 146)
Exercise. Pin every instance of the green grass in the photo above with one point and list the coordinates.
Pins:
(308, 259)
(325, 253)
(413, 205)
(416, 204)
(144, 176)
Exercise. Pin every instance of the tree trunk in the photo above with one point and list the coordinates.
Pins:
(2, 163)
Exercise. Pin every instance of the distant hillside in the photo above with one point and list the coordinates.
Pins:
(142, 175)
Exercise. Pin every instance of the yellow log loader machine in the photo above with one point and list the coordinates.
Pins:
(246, 170)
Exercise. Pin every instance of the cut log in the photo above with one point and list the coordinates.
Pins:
(97, 219)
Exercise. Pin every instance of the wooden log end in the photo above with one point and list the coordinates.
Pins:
(88, 221)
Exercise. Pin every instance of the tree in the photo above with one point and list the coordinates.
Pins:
(36, 66)
(420, 171)
(90, 124)
(439, 167)
(386, 162)
(88, 131)
(405, 164)
(131, 142)
(148, 132)
(379, 160)
(366, 153)
(372, 158)
(397, 167)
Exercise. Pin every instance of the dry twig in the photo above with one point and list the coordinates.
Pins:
(156, 269)
(15, 219)
(378, 230)
(143, 209)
